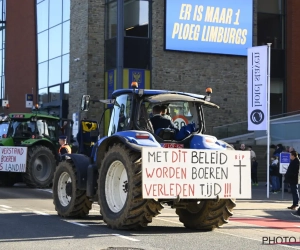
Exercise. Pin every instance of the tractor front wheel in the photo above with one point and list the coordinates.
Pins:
(120, 190)
(67, 199)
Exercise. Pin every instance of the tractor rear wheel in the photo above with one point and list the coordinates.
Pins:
(41, 165)
(206, 214)
(120, 190)
(67, 199)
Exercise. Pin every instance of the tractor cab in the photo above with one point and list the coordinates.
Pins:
(87, 136)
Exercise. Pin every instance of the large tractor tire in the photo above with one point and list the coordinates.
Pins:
(67, 199)
(207, 215)
(120, 190)
(41, 164)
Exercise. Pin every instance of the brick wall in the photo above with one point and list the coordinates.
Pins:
(293, 55)
(191, 72)
(87, 44)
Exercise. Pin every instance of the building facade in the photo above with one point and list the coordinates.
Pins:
(67, 48)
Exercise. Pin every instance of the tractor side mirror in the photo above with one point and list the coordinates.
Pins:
(85, 102)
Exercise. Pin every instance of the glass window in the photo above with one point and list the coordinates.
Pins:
(55, 12)
(140, 47)
(66, 37)
(111, 54)
(55, 71)
(111, 29)
(66, 91)
(120, 114)
(270, 6)
(55, 41)
(43, 46)
(66, 10)
(43, 75)
(43, 95)
(65, 68)
(42, 16)
(136, 18)
(54, 93)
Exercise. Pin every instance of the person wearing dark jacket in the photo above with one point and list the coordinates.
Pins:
(159, 121)
(254, 165)
(274, 174)
(291, 177)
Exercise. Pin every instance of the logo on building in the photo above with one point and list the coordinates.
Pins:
(136, 77)
(257, 116)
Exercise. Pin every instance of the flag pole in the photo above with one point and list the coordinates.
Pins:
(268, 119)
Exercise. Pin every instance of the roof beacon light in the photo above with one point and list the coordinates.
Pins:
(134, 85)
(208, 92)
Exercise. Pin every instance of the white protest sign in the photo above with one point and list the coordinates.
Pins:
(284, 162)
(13, 159)
(195, 174)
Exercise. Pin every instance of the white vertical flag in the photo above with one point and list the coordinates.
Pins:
(257, 88)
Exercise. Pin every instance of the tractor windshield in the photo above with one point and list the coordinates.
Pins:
(181, 113)
(3, 128)
(120, 116)
(24, 128)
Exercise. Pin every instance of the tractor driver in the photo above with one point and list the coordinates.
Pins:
(158, 121)
(64, 146)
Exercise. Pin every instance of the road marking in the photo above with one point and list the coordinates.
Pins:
(5, 210)
(4, 206)
(46, 190)
(125, 237)
(248, 238)
(38, 238)
(37, 212)
(76, 223)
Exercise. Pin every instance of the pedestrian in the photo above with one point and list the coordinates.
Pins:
(243, 147)
(291, 149)
(274, 174)
(253, 155)
(254, 166)
(291, 177)
(64, 146)
(279, 149)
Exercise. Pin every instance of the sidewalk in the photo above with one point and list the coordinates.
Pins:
(260, 206)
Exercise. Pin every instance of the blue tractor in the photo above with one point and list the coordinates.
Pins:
(112, 176)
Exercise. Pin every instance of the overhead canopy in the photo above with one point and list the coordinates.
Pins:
(178, 98)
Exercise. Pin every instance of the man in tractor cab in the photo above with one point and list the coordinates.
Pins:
(64, 147)
(158, 121)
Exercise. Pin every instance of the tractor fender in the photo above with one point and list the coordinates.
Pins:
(44, 142)
(81, 163)
(130, 142)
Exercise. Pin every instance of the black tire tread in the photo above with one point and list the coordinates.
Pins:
(140, 211)
(27, 176)
(213, 214)
(81, 206)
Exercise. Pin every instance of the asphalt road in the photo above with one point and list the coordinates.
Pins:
(28, 221)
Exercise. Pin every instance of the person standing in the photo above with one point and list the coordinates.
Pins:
(254, 165)
(291, 177)
(64, 146)
(253, 155)
(274, 174)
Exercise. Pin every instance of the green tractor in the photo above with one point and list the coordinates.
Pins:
(36, 134)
